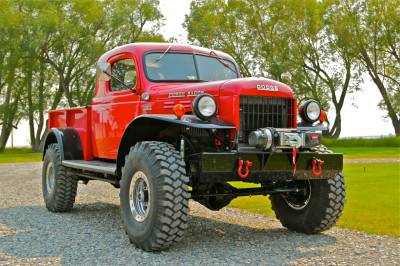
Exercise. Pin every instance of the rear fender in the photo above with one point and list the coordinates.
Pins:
(159, 127)
(68, 140)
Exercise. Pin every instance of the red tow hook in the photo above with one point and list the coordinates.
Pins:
(246, 165)
(317, 166)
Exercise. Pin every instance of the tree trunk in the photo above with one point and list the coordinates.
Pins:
(65, 85)
(373, 73)
(8, 111)
(57, 97)
(38, 138)
(337, 126)
(29, 73)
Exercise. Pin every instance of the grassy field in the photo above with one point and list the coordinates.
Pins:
(352, 148)
(367, 152)
(355, 148)
(19, 155)
(373, 199)
(25, 154)
(362, 142)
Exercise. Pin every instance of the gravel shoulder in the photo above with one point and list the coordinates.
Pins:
(92, 233)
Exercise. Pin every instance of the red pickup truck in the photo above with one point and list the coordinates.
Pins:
(170, 122)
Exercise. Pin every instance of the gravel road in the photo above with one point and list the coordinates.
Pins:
(92, 233)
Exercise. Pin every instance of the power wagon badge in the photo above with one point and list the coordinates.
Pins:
(180, 94)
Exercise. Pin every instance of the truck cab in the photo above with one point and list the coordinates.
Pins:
(170, 122)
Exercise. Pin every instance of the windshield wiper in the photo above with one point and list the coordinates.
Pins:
(165, 52)
(221, 60)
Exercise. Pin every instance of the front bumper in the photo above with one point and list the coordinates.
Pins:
(209, 167)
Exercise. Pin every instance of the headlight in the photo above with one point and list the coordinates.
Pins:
(310, 111)
(204, 106)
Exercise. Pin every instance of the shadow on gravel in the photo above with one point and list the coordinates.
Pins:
(93, 234)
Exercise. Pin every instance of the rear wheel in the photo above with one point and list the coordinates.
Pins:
(154, 195)
(59, 189)
(315, 208)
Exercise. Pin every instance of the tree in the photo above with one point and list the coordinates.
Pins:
(325, 60)
(10, 87)
(291, 41)
(219, 25)
(49, 50)
(375, 29)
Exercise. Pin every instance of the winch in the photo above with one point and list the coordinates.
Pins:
(268, 138)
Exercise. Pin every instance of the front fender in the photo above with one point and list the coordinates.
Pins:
(186, 120)
(149, 127)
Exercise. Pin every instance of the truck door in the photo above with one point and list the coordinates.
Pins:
(117, 107)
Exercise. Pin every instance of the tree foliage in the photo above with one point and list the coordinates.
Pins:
(314, 46)
(375, 30)
(49, 50)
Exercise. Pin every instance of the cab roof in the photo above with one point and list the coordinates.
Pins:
(140, 48)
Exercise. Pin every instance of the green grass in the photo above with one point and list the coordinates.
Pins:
(25, 154)
(373, 199)
(18, 155)
(367, 152)
(356, 148)
(352, 148)
(362, 142)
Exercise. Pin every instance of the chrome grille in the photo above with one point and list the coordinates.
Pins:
(258, 112)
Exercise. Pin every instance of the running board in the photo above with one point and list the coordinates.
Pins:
(91, 166)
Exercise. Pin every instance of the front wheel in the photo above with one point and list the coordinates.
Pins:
(154, 195)
(315, 208)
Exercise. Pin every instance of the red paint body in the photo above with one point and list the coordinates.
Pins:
(102, 124)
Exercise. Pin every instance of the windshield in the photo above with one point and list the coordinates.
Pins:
(187, 67)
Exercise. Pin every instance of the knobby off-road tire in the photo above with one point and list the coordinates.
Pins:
(59, 189)
(323, 208)
(163, 219)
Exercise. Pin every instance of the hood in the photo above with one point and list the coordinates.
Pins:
(164, 96)
(242, 86)
(256, 87)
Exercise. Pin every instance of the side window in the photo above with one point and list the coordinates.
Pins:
(123, 72)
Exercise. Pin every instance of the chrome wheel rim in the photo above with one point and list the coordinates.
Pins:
(50, 177)
(139, 196)
(299, 200)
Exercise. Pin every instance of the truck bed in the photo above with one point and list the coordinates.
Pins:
(78, 118)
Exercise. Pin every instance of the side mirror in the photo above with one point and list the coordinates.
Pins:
(103, 71)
